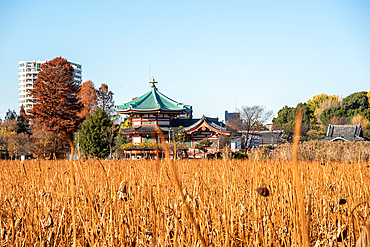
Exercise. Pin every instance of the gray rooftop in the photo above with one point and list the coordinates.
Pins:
(344, 133)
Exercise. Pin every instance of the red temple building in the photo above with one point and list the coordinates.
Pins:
(154, 110)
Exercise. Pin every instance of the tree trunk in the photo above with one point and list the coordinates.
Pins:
(70, 142)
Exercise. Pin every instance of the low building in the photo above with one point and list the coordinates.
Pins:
(343, 133)
(237, 143)
(270, 138)
(264, 138)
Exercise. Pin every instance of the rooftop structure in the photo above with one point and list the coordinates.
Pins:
(153, 102)
(343, 133)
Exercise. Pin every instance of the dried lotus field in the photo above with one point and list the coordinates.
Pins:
(137, 203)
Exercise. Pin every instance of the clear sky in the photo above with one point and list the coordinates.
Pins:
(213, 55)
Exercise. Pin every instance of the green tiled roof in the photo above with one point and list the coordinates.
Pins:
(153, 101)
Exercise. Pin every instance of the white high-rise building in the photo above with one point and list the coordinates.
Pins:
(27, 75)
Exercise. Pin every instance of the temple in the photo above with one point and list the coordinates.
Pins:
(153, 110)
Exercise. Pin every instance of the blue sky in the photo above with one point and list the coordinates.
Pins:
(213, 55)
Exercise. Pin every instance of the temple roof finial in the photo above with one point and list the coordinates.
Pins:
(153, 82)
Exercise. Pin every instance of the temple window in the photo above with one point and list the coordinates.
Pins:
(148, 139)
(136, 139)
(148, 122)
(163, 122)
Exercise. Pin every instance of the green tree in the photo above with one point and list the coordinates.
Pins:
(23, 123)
(365, 113)
(356, 101)
(285, 115)
(315, 134)
(366, 131)
(203, 144)
(179, 136)
(329, 113)
(308, 116)
(288, 130)
(93, 141)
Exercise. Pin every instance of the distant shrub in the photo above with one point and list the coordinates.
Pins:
(240, 155)
(316, 150)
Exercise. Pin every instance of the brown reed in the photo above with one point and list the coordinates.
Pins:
(127, 203)
(304, 224)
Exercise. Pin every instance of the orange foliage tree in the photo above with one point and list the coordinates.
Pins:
(358, 119)
(105, 99)
(55, 97)
(88, 97)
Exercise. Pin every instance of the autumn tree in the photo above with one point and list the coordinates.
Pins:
(358, 119)
(55, 97)
(88, 97)
(105, 100)
(8, 129)
(20, 144)
(338, 120)
(22, 114)
(127, 123)
(48, 144)
(315, 102)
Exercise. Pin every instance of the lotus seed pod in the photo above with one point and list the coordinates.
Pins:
(263, 191)
(342, 201)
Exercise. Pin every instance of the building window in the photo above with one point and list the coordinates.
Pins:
(136, 139)
(148, 122)
(163, 122)
(214, 144)
(148, 140)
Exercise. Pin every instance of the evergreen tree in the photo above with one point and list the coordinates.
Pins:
(203, 144)
(92, 137)
(11, 115)
(356, 100)
(22, 122)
